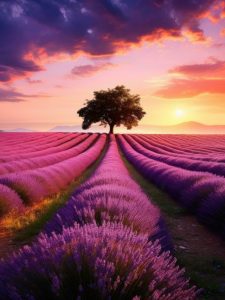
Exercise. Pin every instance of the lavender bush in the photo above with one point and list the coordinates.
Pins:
(9, 200)
(91, 262)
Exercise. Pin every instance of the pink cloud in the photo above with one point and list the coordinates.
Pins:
(89, 70)
(212, 68)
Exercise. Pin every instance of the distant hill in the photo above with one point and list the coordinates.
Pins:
(185, 128)
(192, 128)
(182, 128)
(65, 129)
(19, 130)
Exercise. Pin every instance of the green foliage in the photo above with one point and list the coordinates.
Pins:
(113, 107)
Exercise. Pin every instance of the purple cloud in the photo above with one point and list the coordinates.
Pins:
(88, 70)
(33, 81)
(11, 95)
(28, 28)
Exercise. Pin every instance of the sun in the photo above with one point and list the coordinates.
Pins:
(179, 112)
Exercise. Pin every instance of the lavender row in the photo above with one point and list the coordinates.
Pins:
(47, 149)
(185, 163)
(201, 193)
(110, 195)
(17, 139)
(192, 144)
(162, 149)
(34, 185)
(91, 262)
(175, 145)
(97, 247)
(80, 144)
(36, 144)
(31, 141)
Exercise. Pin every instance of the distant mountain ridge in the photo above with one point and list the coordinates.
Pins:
(191, 127)
(196, 127)
(19, 130)
(65, 128)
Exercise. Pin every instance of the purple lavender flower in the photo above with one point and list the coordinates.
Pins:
(201, 192)
(34, 185)
(106, 262)
(9, 200)
(110, 195)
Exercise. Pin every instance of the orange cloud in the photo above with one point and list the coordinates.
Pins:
(213, 68)
(188, 88)
(195, 36)
(222, 32)
(216, 13)
(195, 79)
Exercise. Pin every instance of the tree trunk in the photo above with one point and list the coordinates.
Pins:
(111, 126)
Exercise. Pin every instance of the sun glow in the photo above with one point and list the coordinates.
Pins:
(179, 113)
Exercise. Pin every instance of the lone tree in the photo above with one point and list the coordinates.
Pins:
(113, 107)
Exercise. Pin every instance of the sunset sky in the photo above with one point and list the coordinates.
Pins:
(55, 53)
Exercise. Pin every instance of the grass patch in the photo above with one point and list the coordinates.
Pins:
(197, 249)
(22, 228)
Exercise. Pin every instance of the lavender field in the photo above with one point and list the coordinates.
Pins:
(96, 216)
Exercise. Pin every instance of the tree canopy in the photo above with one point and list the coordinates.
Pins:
(113, 107)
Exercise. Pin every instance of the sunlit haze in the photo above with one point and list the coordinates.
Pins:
(179, 113)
